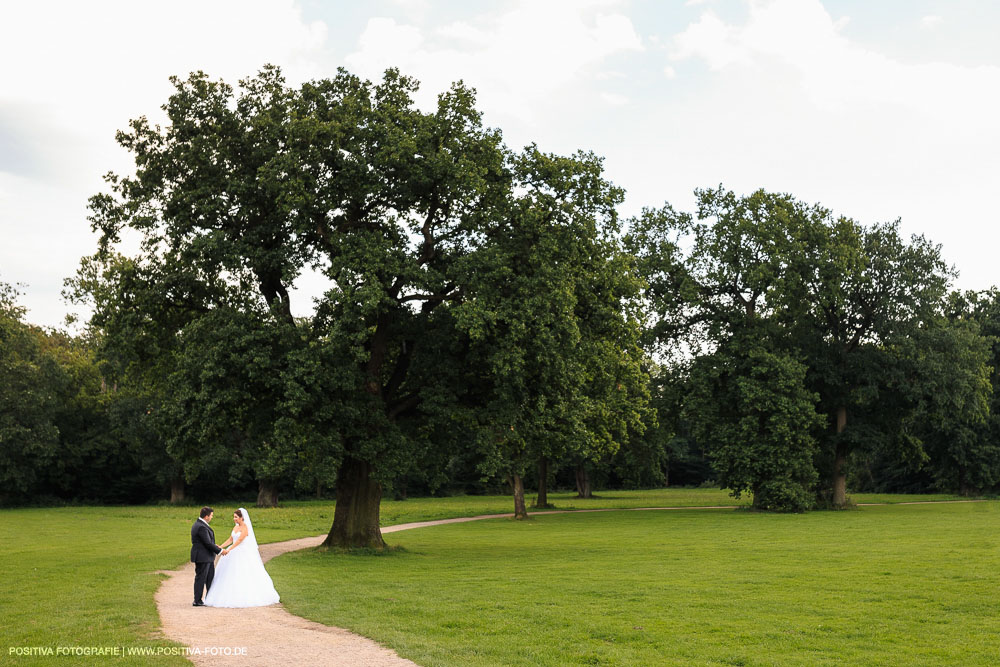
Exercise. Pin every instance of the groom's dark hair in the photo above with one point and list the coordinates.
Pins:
(205, 511)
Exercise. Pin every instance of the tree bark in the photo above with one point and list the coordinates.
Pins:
(839, 462)
(543, 483)
(359, 494)
(267, 494)
(517, 484)
(356, 515)
(582, 482)
(177, 489)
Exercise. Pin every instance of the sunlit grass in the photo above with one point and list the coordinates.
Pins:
(85, 576)
(897, 585)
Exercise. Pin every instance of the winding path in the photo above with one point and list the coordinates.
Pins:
(274, 637)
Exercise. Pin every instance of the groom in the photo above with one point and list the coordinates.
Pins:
(203, 551)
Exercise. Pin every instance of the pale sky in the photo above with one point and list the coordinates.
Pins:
(877, 110)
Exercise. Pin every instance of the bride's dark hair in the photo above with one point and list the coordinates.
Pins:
(240, 514)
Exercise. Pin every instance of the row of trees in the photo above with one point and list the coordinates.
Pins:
(812, 339)
(489, 317)
(63, 433)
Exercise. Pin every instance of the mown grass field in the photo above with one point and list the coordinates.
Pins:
(85, 576)
(896, 585)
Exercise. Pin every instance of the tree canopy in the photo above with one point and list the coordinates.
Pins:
(486, 318)
(434, 238)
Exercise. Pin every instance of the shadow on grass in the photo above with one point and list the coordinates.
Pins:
(389, 550)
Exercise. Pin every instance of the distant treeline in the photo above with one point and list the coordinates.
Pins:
(491, 323)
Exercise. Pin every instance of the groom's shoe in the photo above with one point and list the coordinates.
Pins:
(198, 604)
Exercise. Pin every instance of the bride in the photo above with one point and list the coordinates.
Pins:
(241, 580)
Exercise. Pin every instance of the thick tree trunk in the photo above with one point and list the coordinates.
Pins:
(543, 483)
(517, 484)
(582, 482)
(839, 462)
(267, 494)
(356, 515)
(177, 490)
(319, 489)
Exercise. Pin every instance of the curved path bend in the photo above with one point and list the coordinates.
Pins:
(275, 637)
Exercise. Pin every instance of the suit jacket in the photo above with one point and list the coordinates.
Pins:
(203, 547)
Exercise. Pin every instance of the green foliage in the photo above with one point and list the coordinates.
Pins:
(59, 433)
(749, 406)
(718, 284)
(549, 322)
(225, 389)
(954, 388)
(778, 306)
(665, 452)
(864, 294)
(240, 193)
(30, 383)
(471, 291)
(711, 273)
(95, 459)
(483, 311)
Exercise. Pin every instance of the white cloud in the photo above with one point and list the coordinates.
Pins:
(797, 106)
(83, 59)
(930, 21)
(515, 59)
(710, 40)
(75, 72)
(394, 43)
(781, 98)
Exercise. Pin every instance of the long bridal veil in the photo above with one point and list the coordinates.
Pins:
(251, 538)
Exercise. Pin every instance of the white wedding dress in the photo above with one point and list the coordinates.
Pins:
(240, 578)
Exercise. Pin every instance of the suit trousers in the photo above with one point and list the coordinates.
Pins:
(204, 572)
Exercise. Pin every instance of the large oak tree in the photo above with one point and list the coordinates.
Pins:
(244, 190)
(424, 225)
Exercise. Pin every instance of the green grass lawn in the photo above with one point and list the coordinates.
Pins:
(85, 576)
(897, 585)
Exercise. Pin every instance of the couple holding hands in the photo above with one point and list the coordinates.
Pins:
(241, 580)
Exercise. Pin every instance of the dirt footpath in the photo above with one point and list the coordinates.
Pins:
(274, 637)
(270, 635)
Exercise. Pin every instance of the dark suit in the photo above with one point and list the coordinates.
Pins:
(203, 551)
